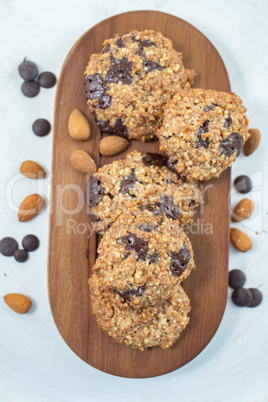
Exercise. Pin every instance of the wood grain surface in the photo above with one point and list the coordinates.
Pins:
(72, 248)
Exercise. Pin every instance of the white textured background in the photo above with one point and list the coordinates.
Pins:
(35, 363)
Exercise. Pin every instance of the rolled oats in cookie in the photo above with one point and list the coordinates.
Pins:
(129, 82)
(203, 132)
(158, 325)
(142, 181)
(142, 257)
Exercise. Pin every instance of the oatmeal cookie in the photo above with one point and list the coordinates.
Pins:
(141, 180)
(142, 257)
(158, 325)
(130, 81)
(203, 132)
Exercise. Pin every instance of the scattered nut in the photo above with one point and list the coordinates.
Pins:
(112, 145)
(83, 162)
(243, 210)
(30, 207)
(253, 142)
(240, 240)
(32, 170)
(78, 126)
(19, 303)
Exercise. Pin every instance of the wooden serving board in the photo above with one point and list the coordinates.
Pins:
(69, 268)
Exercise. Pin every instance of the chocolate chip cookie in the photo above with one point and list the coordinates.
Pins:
(142, 181)
(203, 132)
(142, 257)
(130, 81)
(158, 325)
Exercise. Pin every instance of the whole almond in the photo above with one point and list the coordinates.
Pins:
(83, 162)
(78, 126)
(19, 303)
(240, 240)
(253, 142)
(30, 207)
(32, 170)
(112, 145)
(243, 210)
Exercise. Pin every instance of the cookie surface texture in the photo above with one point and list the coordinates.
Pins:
(203, 132)
(141, 258)
(129, 82)
(142, 181)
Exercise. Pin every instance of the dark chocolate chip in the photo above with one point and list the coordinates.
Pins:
(256, 297)
(120, 42)
(128, 183)
(168, 208)
(242, 297)
(94, 192)
(228, 123)
(231, 144)
(143, 44)
(120, 128)
(154, 159)
(243, 184)
(130, 293)
(179, 261)
(126, 257)
(146, 227)
(172, 165)
(30, 242)
(153, 258)
(105, 126)
(21, 255)
(151, 65)
(120, 71)
(200, 142)
(95, 88)
(8, 246)
(191, 203)
(154, 208)
(47, 79)
(106, 49)
(237, 278)
(94, 218)
(210, 107)
(41, 127)
(30, 88)
(28, 70)
(202, 129)
(139, 245)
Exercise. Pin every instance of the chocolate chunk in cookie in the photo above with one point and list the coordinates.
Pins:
(139, 245)
(154, 159)
(95, 88)
(130, 293)
(179, 261)
(232, 144)
(94, 192)
(120, 71)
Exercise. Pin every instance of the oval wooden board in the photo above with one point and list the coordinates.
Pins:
(69, 267)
